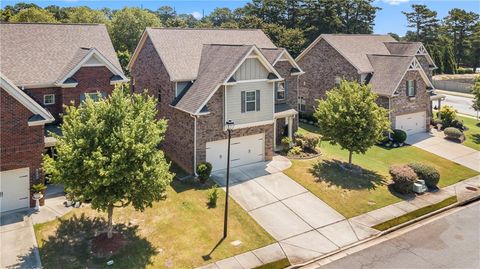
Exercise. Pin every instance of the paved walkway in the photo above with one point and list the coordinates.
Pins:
(435, 143)
(18, 245)
(305, 226)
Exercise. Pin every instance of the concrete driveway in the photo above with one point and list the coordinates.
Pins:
(305, 226)
(435, 143)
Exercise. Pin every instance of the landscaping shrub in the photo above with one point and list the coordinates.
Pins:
(399, 136)
(295, 151)
(453, 133)
(212, 196)
(458, 124)
(462, 71)
(447, 114)
(307, 116)
(203, 171)
(286, 142)
(403, 178)
(425, 172)
(311, 142)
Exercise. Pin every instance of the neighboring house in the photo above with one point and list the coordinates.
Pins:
(21, 145)
(44, 67)
(57, 64)
(204, 77)
(399, 72)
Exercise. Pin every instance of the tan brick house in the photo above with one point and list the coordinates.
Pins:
(399, 72)
(44, 67)
(204, 77)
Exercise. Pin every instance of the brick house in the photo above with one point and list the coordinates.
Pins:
(50, 65)
(399, 72)
(204, 77)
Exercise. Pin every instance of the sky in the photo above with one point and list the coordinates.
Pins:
(389, 19)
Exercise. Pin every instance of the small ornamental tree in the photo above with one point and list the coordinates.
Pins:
(476, 95)
(109, 153)
(350, 117)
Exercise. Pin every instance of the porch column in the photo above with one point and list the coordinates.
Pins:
(290, 127)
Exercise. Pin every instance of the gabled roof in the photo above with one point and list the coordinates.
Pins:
(37, 54)
(354, 48)
(273, 55)
(41, 115)
(218, 64)
(409, 48)
(390, 70)
(181, 49)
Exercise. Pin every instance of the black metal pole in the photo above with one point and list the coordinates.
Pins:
(227, 183)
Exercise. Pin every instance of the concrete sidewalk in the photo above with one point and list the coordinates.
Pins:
(435, 143)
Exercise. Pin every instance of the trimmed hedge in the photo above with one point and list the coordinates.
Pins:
(399, 136)
(425, 172)
(452, 133)
(203, 170)
(403, 178)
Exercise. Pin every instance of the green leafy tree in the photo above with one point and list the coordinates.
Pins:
(127, 26)
(474, 52)
(85, 15)
(350, 117)
(220, 16)
(449, 63)
(165, 13)
(60, 13)
(124, 59)
(424, 21)
(357, 17)
(33, 14)
(109, 154)
(460, 25)
(176, 22)
(394, 35)
(476, 95)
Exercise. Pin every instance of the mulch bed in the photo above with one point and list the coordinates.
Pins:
(105, 247)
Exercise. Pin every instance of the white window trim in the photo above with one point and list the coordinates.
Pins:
(301, 99)
(254, 101)
(53, 98)
(278, 90)
(408, 88)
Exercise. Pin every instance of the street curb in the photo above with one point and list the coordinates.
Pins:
(459, 94)
(388, 231)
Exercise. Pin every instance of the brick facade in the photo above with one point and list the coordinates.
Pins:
(20, 145)
(321, 65)
(90, 79)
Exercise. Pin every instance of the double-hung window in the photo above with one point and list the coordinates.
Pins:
(411, 88)
(95, 96)
(250, 101)
(281, 90)
(49, 99)
(301, 104)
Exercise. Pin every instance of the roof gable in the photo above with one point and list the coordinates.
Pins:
(36, 54)
(181, 49)
(41, 115)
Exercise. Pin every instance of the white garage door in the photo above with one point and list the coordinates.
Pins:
(14, 189)
(411, 123)
(244, 150)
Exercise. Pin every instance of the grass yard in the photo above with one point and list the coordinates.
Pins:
(473, 132)
(178, 232)
(353, 194)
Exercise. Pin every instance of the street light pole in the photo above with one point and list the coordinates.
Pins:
(230, 126)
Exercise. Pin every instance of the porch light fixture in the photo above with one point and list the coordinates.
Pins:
(230, 126)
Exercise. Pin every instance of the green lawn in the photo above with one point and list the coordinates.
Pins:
(353, 194)
(178, 232)
(473, 132)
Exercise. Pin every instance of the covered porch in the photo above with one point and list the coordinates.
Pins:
(285, 123)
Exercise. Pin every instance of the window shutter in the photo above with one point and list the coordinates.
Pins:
(243, 102)
(286, 89)
(414, 87)
(276, 89)
(257, 95)
(408, 92)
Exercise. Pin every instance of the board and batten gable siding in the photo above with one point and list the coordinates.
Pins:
(234, 104)
(251, 69)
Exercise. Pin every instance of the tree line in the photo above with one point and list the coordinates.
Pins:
(293, 24)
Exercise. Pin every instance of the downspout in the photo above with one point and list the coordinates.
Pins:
(194, 144)
(389, 115)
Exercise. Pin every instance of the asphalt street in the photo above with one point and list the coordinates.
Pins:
(462, 104)
(452, 241)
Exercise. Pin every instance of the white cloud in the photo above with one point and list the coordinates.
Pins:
(395, 2)
(197, 15)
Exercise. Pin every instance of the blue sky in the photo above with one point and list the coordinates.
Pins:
(389, 19)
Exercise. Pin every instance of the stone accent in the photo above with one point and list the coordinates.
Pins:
(90, 79)
(149, 73)
(20, 145)
(321, 65)
(210, 128)
(402, 104)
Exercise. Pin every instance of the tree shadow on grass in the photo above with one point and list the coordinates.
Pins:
(336, 173)
(476, 138)
(405, 197)
(184, 185)
(69, 247)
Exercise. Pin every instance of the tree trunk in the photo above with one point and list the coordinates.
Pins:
(110, 221)
(350, 157)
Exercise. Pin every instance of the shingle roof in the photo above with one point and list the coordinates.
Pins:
(181, 49)
(271, 54)
(389, 71)
(403, 48)
(38, 53)
(356, 47)
(217, 63)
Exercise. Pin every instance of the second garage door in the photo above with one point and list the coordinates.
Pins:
(14, 189)
(411, 123)
(244, 150)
